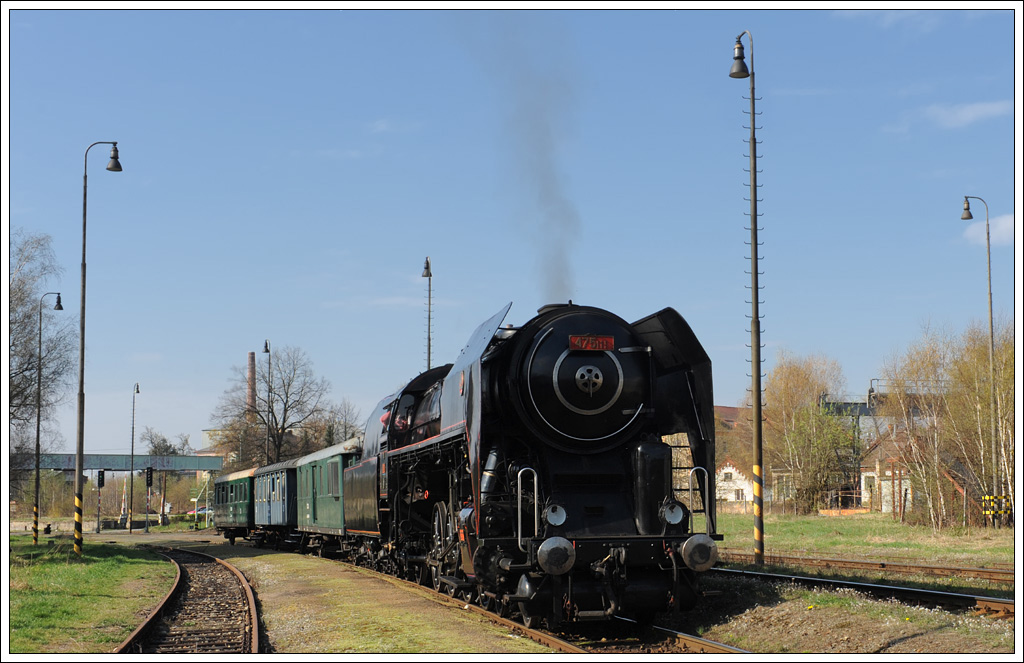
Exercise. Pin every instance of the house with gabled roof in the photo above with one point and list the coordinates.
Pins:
(734, 488)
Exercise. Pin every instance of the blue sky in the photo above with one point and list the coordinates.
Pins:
(287, 172)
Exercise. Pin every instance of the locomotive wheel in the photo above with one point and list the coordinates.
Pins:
(441, 535)
(529, 621)
(424, 575)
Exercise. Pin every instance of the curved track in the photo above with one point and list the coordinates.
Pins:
(210, 610)
(948, 600)
(1004, 575)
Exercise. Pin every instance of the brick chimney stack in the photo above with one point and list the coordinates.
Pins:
(250, 400)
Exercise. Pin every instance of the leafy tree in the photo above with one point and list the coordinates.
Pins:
(801, 439)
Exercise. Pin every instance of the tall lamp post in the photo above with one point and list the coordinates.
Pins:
(739, 70)
(966, 216)
(131, 475)
(429, 276)
(39, 411)
(114, 166)
(270, 395)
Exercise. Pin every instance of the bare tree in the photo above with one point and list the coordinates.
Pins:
(33, 264)
(40, 351)
(159, 445)
(941, 397)
(336, 423)
(917, 399)
(296, 395)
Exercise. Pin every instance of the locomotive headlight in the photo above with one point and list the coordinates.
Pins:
(556, 555)
(699, 552)
(555, 515)
(671, 513)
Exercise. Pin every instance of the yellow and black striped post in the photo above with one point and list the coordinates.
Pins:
(35, 524)
(758, 514)
(78, 523)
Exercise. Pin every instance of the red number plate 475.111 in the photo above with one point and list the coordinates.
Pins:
(591, 342)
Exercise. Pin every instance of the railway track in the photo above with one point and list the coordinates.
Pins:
(626, 636)
(1001, 575)
(949, 600)
(210, 610)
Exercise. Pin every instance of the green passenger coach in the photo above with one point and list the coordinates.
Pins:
(321, 510)
(233, 504)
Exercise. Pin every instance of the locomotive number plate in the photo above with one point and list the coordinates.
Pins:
(591, 342)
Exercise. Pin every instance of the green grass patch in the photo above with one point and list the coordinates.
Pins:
(870, 536)
(61, 602)
(877, 538)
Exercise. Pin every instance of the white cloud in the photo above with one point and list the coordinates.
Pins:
(954, 116)
(1001, 228)
(920, 21)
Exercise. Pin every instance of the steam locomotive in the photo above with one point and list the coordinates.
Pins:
(562, 470)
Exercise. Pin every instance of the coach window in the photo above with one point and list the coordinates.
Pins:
(333, 478)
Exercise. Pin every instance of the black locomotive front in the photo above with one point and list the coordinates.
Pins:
(576, 507)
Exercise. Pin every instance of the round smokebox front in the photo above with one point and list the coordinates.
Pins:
(586, 381)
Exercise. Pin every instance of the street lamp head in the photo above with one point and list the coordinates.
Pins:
(739, 67)
(114, 165)
(58, 307)
(266, 347)
(966, 216)
(426, 268)
(136, 387)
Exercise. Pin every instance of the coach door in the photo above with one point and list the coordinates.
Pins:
(314, 492)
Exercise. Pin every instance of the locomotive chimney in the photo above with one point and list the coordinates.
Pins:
(250, 399)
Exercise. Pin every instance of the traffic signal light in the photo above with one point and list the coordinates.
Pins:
(99, 478)
(149, 477)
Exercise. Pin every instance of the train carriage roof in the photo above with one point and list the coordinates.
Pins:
(234, 476)
(353, 445)
(291, 463)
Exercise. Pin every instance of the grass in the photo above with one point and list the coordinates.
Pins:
(62, 603)
(373, 618)
(793, 619)
(876, 537)
(870, 536)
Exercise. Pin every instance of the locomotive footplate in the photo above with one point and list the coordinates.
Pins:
(609, 577)
(640, 551)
